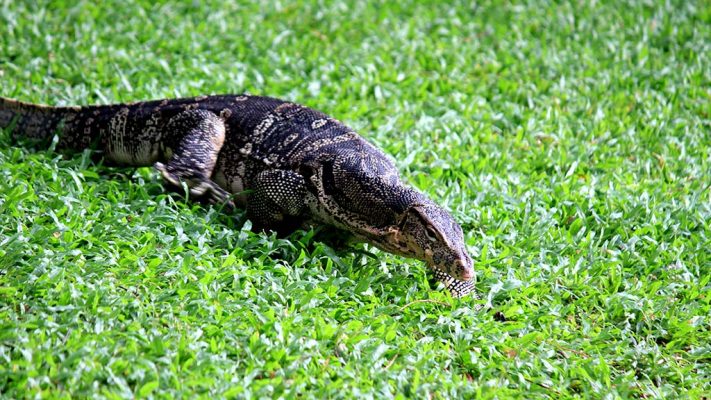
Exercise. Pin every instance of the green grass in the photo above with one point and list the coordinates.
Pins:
(572, 141)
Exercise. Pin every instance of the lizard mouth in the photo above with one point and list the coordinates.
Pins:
(466, 275)
(464, 269)
(456, 287)
(455, 273)
(459, 270)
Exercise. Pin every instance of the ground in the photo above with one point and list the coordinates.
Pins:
(571, 140)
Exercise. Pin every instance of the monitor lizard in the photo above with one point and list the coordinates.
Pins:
(288, 165)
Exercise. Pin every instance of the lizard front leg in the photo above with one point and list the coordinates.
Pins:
(200, 135)
(277, 198)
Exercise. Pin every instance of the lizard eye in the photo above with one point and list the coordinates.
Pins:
(431, 234)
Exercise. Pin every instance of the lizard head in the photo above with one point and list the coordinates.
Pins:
(429, 233)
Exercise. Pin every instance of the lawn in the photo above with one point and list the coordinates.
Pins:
(572, 141)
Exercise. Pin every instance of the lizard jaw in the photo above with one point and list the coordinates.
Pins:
(460, 270)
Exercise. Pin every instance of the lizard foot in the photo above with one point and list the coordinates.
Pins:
(169, 177)
(199, 187)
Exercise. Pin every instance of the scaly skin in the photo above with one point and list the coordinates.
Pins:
(288, 165)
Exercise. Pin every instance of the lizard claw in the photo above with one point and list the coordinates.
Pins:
(167, 175)
(198, 187)
(219, 195)
(213, 194)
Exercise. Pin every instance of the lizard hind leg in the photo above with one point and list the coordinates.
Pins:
(198, 136)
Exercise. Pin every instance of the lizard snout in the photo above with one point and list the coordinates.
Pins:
(466, 274)
(463, 270)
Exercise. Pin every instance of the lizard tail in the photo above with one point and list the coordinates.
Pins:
(32, 121)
